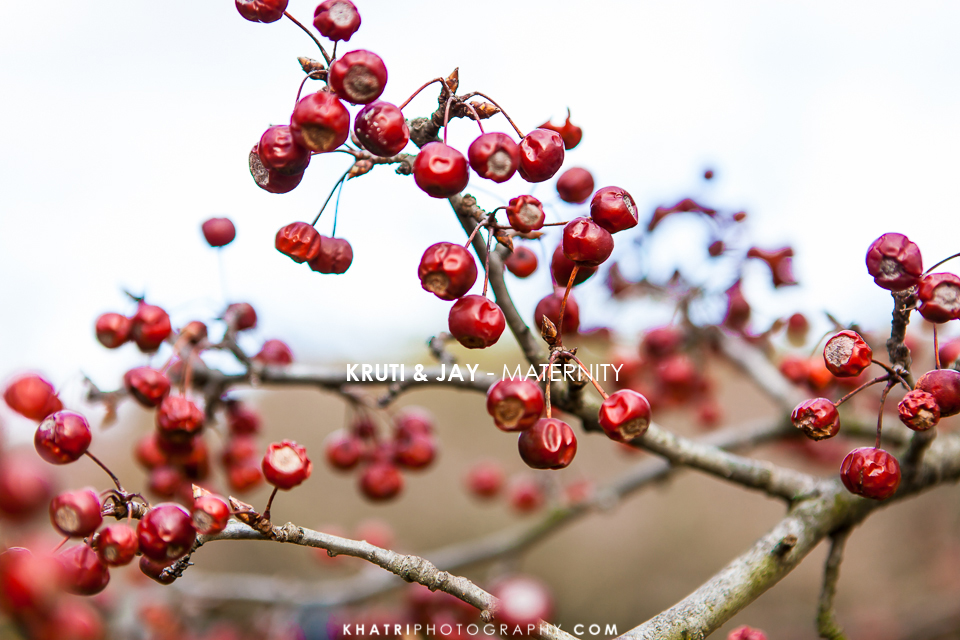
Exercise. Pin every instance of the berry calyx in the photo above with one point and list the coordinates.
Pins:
(944, 386)
(343, 450)
(871, 473)
(179, 419)
(846, 354)
(624, 415)
(522, 262)
(919, 410)
(440, 170)
(147, 386)
(166, 533)
(586, 242)
(894, 262)
(76, 514)
(382, 129)
(280, 152)
(541, 155)
(275, 353)
(613, 209)
(381, 481)
(549, 444)
(298, 240)
(320, 122)
(939, 296)
(286, 465)
(447, 270)
(336, 19)
(476, 322)
(494, 156)
(117, 545)
(525, 213)
(358, 76)
(515, 404)
(218, 232)
(113, 330)
(83, 572)
(575, 185)
(240, 316)
(549, 306)
(151, 326)
(561, 267)
(268, 179)
(335, 256)
(818, 418)
(261, 10)
(62, 437)
(210, 514)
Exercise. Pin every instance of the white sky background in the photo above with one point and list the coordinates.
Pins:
(127, 124)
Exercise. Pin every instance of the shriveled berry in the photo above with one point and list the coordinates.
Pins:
(919, 410)
(745, 632)
(447, 270)
(336, 19)
(561, 267)
(358, 76)
(382, 129)
(871, 473)
(944, 385)
(335, 256)
(25, 486)
(166, 532)
(494, 156)
(179, 419)
(515, 404)
(846, 354)
(818, 418)
(62, 437)
(298, 240)
(274, 352)
(320, 122)
(525, 213)
(613, 209)
(381, 481)
(280, 152)
(571, 133)
(117, 545)
(476, 322)
(76, 513)
(155, 570)
(84, 574)
(113, 330)
(939, 296)
(218, 232)
(240, 316)
(210, 514)
(268, 179)
(485, 479)
(440, 170)
(575, 185)
(261, 10)
(286, 465)
(549, 444)
(524, 602)
(343, 450)
(151, 326)
(894, 262)
(549, 306)
(625, 415)
(415, 450)
(522, 262)
(586, 242)
(147, 386)
(541, 155)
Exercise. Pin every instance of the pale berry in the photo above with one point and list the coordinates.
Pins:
(524, 602)
(745, 632)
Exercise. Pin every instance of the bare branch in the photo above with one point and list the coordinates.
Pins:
(827, 625)
(755, 365)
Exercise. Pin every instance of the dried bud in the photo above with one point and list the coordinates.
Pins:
(359, 168)
(503, 238)
(309, 65)
(484, 109)
(452, 82)
(548, 331)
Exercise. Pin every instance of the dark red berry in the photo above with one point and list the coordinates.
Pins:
(240, 316)
(62, 437)
(414, 450)
(113, 330)
(336, 19)
(413, 420)
(320, 122)
(32, 397)
(817, 418)
(166, 532)
(29, 582)
(298, 240)
(494, 156)
(155, 570)
(526, 495)
(147, 386)
(381, 481)
(179, 419)
(274, 352)
(738, 309)
(83, 572)
(661, 342)
(476, 322)
(285, 464)
(218, 232)
(939, 295)
(871, 473)
(575, 185)
(846, 354)
(919, 410)
(382, 129)
(613, 209)
(525, 213)
(541, 155)
(716, 248)
(151, 326)
(268, 179)
(571, 133)
(117, 545)
(165, 482)
(439, 170)
(210, 514)
(548, 444)
(76, 513)
(708, 174)
(358, 76)
(25, 486)
(244, 476)
(522, 262)
(585, 242)
(343, 450)
(261, 10)
(524, 602)
(549, 306)
(241, 419)
(894, 262)
(336, 256)
(744, 632)
(238, 450)
(148, 453)
(447, 270)
(944, 385)
(625, 415)
(280, 152)
(485, 479)
(561, 267)
(515, 404)
(71, 620)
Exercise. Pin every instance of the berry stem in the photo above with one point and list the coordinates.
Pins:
(556, 224)
(547, 374)
(476, 116)
(266, 512)
(422, 87)
(312, 37)
(563, 303)
(486, 261)
(113, 477)
(446, 118)
(936, 348)
(332, 191)
(494, 103)
(883, 399)
(60, 546)
(956, 255)
(893, 372)
(583, 367)
(869, 383)
(336, 209)
(302, 83)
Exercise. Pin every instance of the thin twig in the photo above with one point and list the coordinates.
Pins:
(827, 625)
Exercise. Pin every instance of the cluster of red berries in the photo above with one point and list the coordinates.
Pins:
(148, 328)
(524, 493)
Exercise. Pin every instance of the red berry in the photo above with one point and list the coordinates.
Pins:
(286, 465)
(71, 620)
(261, 10)
(613, 209)
(113, 330)
(336, 256)
(525, 213)
(240, 316)
(716, 248)
(62, 437)
(117, 545)
(210, 514)
(298, 240)
(524, 602)
(151, 326)
(871, 473)
(439, 170)
(949, 352)
(625, 415)
(894, 262)
(944, 385)
(28, 582)
(179, 419)
(165, 482)
(939, 295)
(218, 232)
(275, 353)
(575, 185)
(32, 397)
(794, 369)
(522, 262)
(414, 450)
(585, 242)
(476, 322)
(744, 632)
(561, 267)
(241, 419)
(238, 450)
(25, 486)
(336, 19)
(738, 309)
(343, 450)
(280, 152)
(494, 156)
(358, 76)
(918, 410)
(541, 155)
(549, 306)
(548, 444)
(148, 452)
(797, 328)
(83, 572)
(381, 481)
(526, 495)
(166, 532)
(413, 420)
(320, 122)
(485, 479)
(817, 418)
(154, 570)
(515, 404)
(661, 342)
(76, 513)
(268, 179)
(244, 476)
(382, 129)
(147, 386)
(571, 133)
(846, 354)
(447, 270)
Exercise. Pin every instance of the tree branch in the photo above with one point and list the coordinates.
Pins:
(827, 625)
